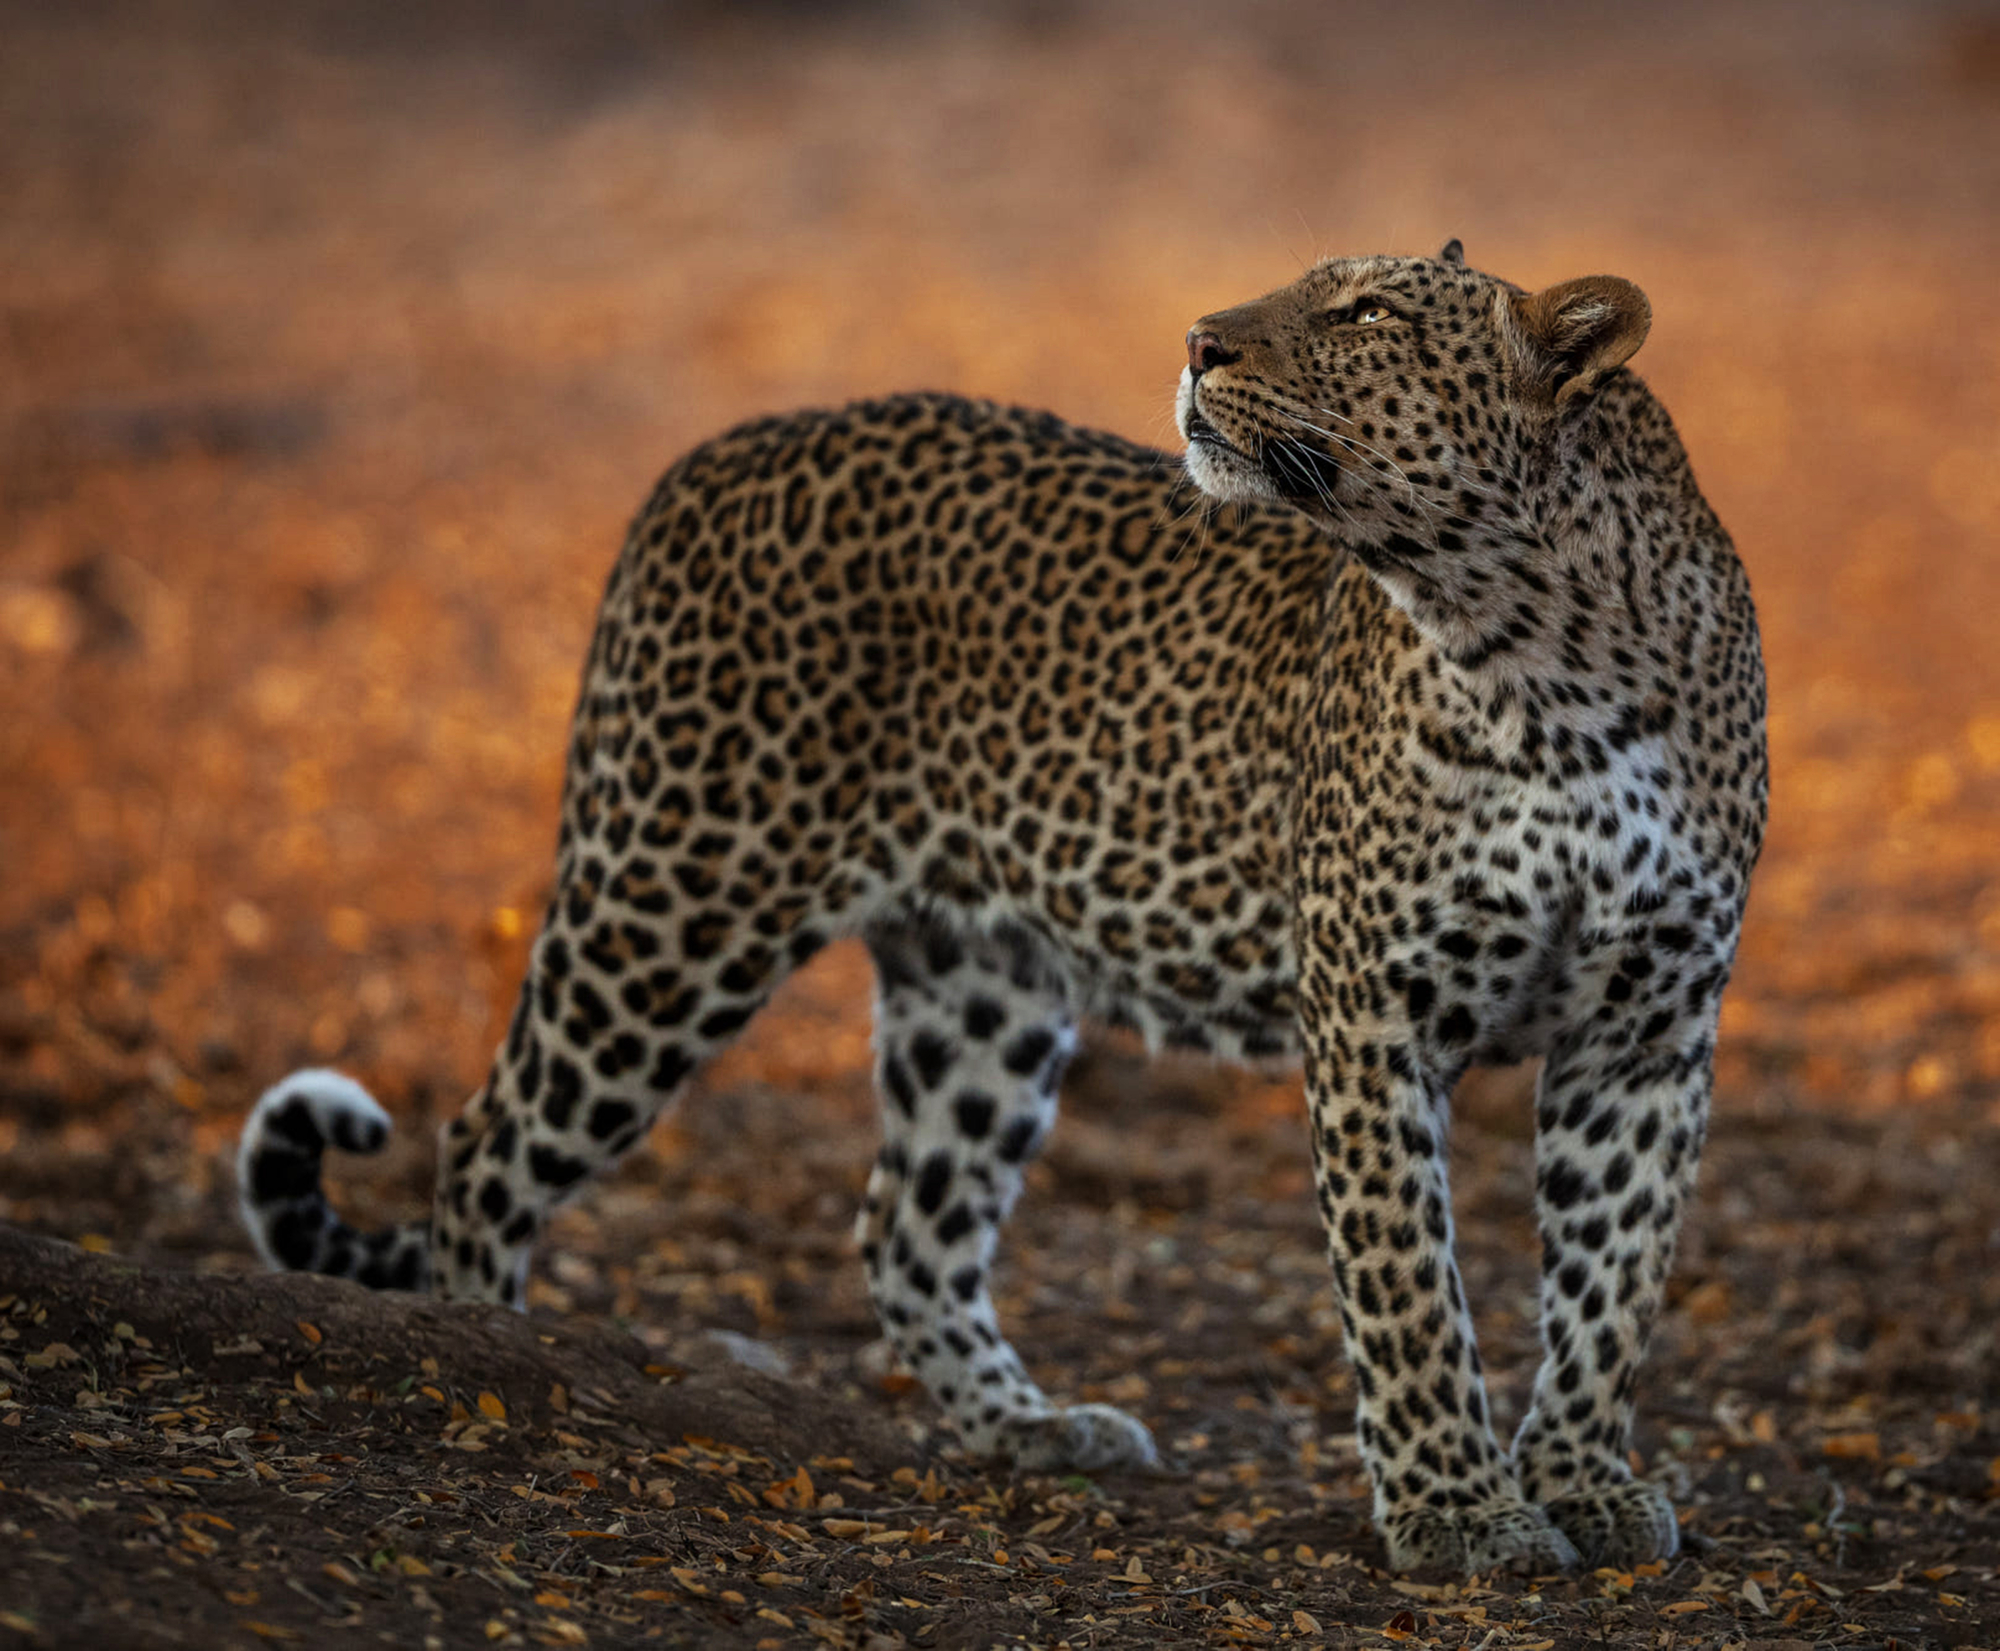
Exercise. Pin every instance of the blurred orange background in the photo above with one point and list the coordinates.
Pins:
(338, 341)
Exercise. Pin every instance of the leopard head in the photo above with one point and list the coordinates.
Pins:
(1414, 407)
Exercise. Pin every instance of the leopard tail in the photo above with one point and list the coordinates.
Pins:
(283, 1204)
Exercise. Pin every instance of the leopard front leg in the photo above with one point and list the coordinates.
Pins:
(1446, 1498)
(1620, 1118)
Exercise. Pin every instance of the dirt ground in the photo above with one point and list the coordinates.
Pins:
(337, 341)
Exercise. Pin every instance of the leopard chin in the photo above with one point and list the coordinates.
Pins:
(1228, 476)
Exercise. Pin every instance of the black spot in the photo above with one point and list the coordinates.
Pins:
(1562, 1184)
(703, 936)
(933, 1182)
(607, 1118)
(723, 1023)
(293, 1238)
(984, 1017)
(1025, 1054)
(932, 1056)
(493, 1200)
(894, 969)
(590, 1005)
(277, 1175)
(501, 1143)
(1018, 1139)
(554, 1169)
(565, 1086)
(957, 1222)
(671, 1003)
(620, 1055)
(673, 1064)
(896, 1080)
(974, 1111)
(942, 951)
(294, 1122)
(1458, 1026)
(408, 1272)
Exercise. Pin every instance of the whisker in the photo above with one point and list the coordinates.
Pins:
(1321, 490)
(1459, 482)
(1168, 516)
(1197, 513)
(1373, 457)
(1435, 507)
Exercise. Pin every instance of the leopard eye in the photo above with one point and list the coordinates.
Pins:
(1363, 313)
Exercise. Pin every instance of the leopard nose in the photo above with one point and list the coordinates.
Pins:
(1205, 350)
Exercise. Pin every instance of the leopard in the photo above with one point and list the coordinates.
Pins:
(1411, 718)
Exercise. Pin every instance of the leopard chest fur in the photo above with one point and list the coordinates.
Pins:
(1508, 894)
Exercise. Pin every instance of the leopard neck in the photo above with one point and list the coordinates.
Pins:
(1600, 562)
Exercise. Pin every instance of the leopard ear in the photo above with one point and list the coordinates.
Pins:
(1454, 252)
(1568, 338)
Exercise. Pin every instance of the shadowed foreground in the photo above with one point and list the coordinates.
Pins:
(190, 1459)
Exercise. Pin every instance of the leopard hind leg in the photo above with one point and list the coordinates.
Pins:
(614, 1019)
(618, 1011)
(972, 1033)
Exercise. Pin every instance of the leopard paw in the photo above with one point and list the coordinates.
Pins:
(1624, 1524)
(1499, 1536)
(1085, 1438)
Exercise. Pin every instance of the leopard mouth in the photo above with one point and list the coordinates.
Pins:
(1198, 429)
(1282, 469)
